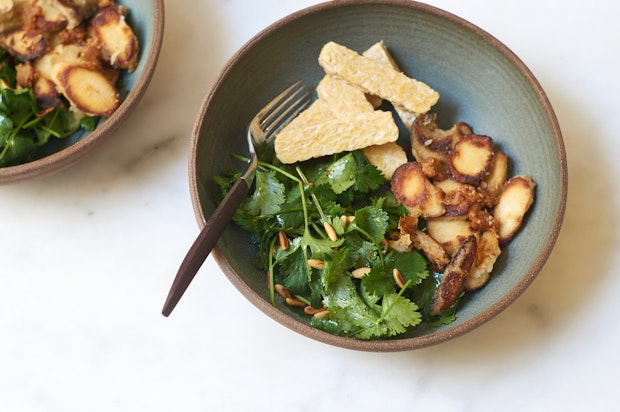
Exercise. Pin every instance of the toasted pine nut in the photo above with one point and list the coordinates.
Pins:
(295, 302)
(282, 291)
(284, 244)
(398, 278)
(360, 272)
(331, 233)
(344, 220)
(316, 264)
(386, 244)
(322, 314)
(309, 310)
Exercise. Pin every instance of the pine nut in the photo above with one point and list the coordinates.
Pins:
(322, 314)
(309, 310)
(398, 278)
(345, 221)
(385, 244)
(316, 264)
(331, 233)
(295, 303)
(360, 272)
(284, 244)
(282, 291)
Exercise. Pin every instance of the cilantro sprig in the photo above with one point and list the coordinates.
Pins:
(298, 200)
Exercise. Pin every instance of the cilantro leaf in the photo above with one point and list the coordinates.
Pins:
(340, 175)
(320, 248)
(294, 270)
(268, 195)
(376, 284)
(355, 318)
(372, 222)
(412, 265)
(368, 178)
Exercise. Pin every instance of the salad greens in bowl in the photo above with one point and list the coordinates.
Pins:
(69, 79)
(318, 244)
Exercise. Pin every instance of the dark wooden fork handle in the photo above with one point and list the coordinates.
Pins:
(205, 242)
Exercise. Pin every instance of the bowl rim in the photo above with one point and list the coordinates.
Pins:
(400, 344)
(64, 158)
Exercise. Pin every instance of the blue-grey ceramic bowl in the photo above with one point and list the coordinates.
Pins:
(147, 20)
(480, 81)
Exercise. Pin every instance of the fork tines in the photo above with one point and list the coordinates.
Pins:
(284, 108)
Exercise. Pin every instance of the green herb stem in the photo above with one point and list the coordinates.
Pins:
(272, 288)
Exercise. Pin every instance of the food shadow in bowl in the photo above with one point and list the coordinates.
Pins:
(480, 82)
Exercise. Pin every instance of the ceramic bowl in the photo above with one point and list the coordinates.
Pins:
(480, 82)
(147, 21)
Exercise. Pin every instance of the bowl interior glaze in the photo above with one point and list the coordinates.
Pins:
(480, 82)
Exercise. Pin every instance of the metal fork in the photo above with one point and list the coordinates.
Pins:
(263, 128)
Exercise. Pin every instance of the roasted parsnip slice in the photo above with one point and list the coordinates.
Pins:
(23, 44)
(414, 191)
(449, 232)
(452, 283)
(119, 45)
(470, 158)
(495, 179)
(408, 224)
(46, 93)
(431, 249)
(429, 141)
(10, 14)
(458, 197)
(89, 91)
(402, 244)
(514, 202)
(487, 252)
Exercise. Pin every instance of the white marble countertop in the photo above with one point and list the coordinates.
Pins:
(87, 257)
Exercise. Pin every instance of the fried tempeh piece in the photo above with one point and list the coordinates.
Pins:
(377, 78)
(452, 283)
(317, 132)
(341, 97)
(380, 53)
